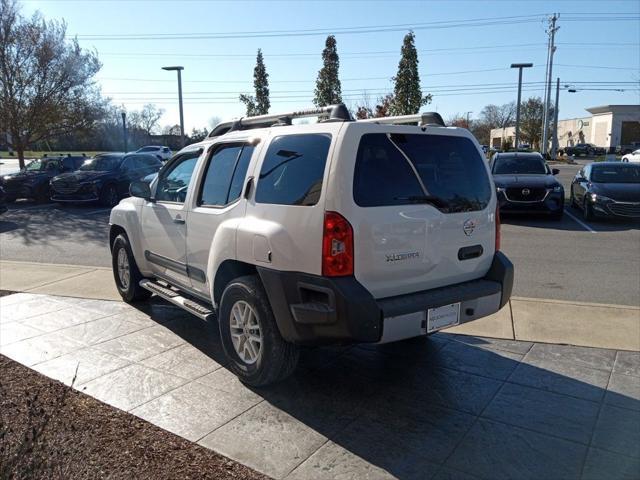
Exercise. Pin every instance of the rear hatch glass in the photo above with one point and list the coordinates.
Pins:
(420, 198)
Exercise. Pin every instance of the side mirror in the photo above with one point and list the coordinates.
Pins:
(140, 189)
(555, 171)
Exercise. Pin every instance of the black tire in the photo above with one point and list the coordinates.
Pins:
(587, 210)
(109, 196)
(130, 291)
(43, 194)
(276, 358)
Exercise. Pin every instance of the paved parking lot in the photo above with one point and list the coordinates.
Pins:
(444, 407)
(597, 262)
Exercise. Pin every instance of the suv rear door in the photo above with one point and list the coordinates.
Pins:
(422, 210)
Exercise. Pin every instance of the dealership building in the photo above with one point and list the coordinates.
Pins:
(608, 126)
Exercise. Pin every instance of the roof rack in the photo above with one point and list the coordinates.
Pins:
(333, 113)
(426, 118)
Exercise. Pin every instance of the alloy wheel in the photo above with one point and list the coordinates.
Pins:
(124, 272)
(246, 334)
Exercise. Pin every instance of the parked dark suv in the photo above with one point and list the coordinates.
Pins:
(526, 184)
(104, 178)
(33, 180)
(587, 149)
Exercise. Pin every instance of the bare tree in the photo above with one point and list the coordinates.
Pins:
(149, 117)
(46, 81)
(499, 116)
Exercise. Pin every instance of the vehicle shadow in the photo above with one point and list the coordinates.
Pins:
(570, 224)
(446, 406)
(45, 224)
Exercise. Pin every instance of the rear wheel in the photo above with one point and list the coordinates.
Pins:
(125, 271)
(257, 353)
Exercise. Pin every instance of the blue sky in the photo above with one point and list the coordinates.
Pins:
(465, 67)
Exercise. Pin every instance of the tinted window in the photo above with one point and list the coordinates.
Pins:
(174, 182)
(146, 161)
(445, 171)
(215, 188)
(148, 149)
(237, 181)
(101, 164)
(293, 169)
(523, 165)
(616, 174)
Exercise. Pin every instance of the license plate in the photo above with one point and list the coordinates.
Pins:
(443, 317)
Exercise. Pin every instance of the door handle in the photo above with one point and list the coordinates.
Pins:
(179, 220)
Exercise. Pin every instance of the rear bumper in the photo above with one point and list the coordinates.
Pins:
(315, 310)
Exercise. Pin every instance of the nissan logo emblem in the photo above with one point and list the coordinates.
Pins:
(526, 191)
(468, 227)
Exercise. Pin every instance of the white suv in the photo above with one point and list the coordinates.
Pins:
(341, 231)
(163, 153)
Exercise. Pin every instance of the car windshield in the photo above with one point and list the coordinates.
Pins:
(101, 164)
(616, 174)
(41, 165)
(523, 165)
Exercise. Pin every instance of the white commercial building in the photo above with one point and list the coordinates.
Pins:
(609, 126)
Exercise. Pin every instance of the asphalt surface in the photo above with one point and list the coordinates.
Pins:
(570, 259)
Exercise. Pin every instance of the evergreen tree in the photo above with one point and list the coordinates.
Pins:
(328, 90)
(258, 104)
(407, 96)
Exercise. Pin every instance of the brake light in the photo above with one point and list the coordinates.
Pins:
(497, 228)
(337, 246)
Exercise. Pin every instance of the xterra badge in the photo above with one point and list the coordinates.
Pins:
(396, 257)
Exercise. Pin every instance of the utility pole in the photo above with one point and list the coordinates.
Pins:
(552, 48)
(124, 131)
(519, 66)
(468, 124)
(554, 143)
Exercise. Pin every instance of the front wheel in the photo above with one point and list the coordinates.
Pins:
(257, 353)
(125, 271)
(109, 196)
(587, 210)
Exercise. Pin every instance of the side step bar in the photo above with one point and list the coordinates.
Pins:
(195, 307)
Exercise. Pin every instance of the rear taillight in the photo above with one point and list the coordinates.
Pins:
(337, 246)
(497, 228)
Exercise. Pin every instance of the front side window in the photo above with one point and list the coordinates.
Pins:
(173, 185)
(293, 169)
(400, 169)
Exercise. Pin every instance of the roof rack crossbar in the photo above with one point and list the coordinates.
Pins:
(332, 112)
(426, 118)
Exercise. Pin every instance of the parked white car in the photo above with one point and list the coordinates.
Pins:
(336, 232)
(163, 153)
(632, 157)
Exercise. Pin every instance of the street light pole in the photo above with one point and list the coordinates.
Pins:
(124, 131)
(179, 70)
(468, 126)
(519, 66)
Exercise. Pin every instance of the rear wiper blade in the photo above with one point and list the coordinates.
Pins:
(436, 201)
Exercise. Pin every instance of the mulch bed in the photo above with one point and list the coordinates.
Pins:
(48, 430)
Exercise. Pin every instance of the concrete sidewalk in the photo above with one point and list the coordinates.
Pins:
(435, 408)
(529, 319)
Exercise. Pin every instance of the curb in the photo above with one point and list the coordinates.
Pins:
(527, 319)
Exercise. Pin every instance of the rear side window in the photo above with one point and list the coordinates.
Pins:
(225, 175)
(293, 169)
(400, 169)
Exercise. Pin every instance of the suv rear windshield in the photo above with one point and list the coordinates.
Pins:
(400, 169)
